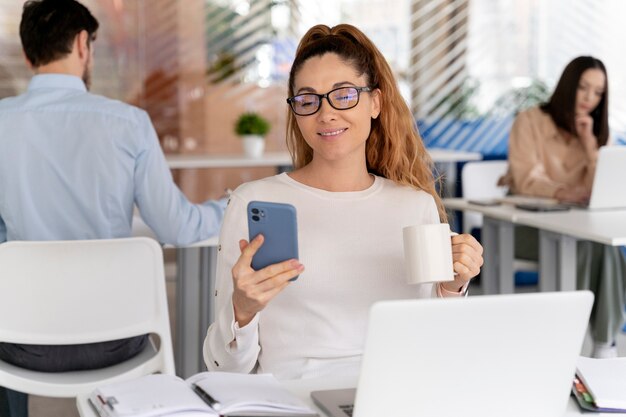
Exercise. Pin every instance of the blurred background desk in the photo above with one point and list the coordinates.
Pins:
(191, 161)
(558, 234)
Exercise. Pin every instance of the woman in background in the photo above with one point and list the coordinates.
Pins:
(553, 151)
(361, 175)
(553, 148)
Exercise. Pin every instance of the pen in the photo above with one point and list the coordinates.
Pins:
(212, 402)
(110, 401)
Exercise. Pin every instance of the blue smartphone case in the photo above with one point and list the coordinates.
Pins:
(278, 225)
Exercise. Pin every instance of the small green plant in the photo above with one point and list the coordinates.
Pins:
(251, 124)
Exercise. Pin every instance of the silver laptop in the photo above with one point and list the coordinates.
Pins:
(483, 356)
(608, 191)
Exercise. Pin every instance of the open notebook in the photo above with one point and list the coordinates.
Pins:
(483, 356)
(204, 394)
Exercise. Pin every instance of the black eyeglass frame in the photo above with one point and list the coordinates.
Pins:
(290, 100)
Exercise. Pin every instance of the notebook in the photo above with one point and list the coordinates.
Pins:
(482, 356)
(605, 381)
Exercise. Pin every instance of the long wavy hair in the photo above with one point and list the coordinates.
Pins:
(562, 104)
(394, 149)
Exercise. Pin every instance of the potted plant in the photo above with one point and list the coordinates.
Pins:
(252, 128)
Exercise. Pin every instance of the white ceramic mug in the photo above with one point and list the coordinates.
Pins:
(428, 253)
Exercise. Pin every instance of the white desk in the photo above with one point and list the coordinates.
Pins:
(441, 155)
(303, 387)
(190, 161)
(558, 232)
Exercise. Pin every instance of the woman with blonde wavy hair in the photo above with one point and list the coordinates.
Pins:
(361, 174)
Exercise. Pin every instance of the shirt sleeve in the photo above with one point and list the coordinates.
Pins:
(162, 205)
(227, 347)
(525, 147)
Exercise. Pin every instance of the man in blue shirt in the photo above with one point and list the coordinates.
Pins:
(73, 165)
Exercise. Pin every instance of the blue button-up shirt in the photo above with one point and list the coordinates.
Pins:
(73, 164)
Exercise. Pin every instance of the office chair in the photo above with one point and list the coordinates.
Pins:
(74, 292)
(480, 181)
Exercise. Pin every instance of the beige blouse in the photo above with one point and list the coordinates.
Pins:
(544, 158)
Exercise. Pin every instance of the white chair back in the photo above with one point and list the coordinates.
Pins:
(74, 292)
(480, 181)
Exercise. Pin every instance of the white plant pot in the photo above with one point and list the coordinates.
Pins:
(253, 145)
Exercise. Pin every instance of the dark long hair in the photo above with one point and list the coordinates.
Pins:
(562, 104)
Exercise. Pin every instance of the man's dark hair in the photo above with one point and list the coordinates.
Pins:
(48, 28)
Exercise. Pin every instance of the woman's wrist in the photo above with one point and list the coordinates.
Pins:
(453, 286)
(241, 318)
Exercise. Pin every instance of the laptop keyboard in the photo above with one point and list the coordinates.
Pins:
(347, 409)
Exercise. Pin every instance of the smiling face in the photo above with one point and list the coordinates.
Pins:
(335, 135)
(591, 87)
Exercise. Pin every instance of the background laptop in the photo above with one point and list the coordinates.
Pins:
(484, 356)
(606, 191)
(608, 183)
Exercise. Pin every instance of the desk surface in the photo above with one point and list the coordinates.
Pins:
(450, 155)
(140, 228)
(606, 227)
(303, 387)
(603, 226)
(190, 161)
(506, 212)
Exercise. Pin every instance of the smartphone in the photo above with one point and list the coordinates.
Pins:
(278, 225)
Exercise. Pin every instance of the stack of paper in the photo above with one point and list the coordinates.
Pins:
(600, 384)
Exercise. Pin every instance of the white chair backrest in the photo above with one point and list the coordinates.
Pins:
(83, 291)
(67, 292)
(480, 181)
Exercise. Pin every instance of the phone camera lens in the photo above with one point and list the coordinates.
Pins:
(256, 218)
(255, 211)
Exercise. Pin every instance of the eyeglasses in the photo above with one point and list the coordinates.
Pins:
(342, 98)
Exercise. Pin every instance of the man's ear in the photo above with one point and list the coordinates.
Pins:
(81, 43)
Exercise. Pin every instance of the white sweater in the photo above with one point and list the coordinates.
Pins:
(351, 247)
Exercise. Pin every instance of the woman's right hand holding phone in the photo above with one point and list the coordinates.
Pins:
(253, 290)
